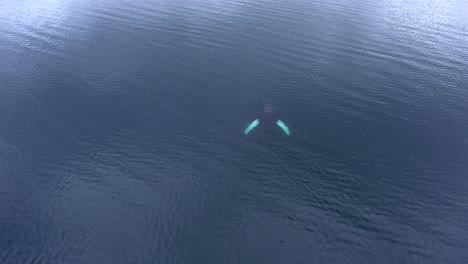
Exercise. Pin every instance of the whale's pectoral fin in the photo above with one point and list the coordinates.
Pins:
(283, 127)
(251, 126)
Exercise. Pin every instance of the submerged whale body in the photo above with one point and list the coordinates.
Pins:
(267, 119)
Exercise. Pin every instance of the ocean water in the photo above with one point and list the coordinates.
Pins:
(121, 131)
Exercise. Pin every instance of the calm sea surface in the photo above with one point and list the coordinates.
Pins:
(121, 131)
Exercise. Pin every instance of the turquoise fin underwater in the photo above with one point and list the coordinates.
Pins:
(251, 126)
(283, 127)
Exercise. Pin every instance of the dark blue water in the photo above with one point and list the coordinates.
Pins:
(121, 131)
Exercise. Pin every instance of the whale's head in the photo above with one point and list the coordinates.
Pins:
(268, 108)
